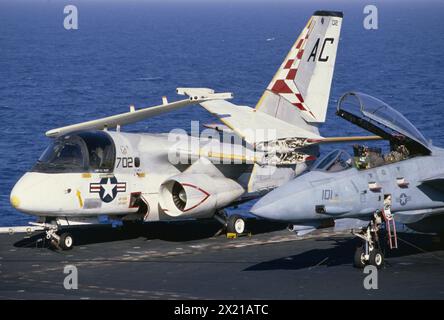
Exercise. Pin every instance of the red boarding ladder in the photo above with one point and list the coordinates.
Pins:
(391, 228)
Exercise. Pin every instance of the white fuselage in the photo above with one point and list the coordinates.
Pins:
(142, 162)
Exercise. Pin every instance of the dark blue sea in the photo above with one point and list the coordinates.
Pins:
(133, 52)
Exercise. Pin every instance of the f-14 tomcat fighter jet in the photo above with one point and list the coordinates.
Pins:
(367, 189)
(89, 171)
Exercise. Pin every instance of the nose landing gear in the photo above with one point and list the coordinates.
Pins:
(64, 241)
(370, 252)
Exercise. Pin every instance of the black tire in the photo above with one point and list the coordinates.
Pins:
(376, 258)
(236, 224)
(66, 241)
(359, 261)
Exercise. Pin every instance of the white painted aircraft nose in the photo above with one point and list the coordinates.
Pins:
(48, 194)
(15, 200)
(24, 195)
(18, 197)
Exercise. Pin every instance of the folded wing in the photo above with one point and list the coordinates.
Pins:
(137, 115)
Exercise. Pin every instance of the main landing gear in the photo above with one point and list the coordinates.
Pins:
(370, 252)
(233, 224)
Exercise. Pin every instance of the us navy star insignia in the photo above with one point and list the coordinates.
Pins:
(107, 188)
(403, 199)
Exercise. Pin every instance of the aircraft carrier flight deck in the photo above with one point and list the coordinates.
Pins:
(185, 261)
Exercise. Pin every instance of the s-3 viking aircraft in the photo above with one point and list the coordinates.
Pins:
(367, 190)
(89, 171)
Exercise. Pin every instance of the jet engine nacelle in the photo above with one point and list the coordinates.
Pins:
(197, 195)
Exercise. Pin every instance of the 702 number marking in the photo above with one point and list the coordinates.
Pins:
(125, 162)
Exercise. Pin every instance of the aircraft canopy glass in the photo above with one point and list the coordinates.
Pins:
(336, 160)
(380, 116)
(81, 152)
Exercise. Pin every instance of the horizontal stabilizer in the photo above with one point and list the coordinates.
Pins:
(254, 126)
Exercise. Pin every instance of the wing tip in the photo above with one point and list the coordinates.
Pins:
(52, 133)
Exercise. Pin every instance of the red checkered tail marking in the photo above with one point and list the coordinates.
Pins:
(300, 89)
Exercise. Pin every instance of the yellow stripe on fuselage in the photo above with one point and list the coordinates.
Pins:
(79, 197)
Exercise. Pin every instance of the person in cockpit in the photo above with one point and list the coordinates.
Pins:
(366, 157)
(398, 153)
(96, 158)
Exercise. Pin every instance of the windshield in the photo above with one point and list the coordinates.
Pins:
(335, 161)
(83, 152)
(63, 154)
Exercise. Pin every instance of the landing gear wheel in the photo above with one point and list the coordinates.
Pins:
(359, 260)
(236, 224)
(66, 241)
(376, 258)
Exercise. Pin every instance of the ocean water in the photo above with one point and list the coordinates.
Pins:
(134, 52)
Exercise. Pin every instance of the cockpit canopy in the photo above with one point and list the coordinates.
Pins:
(335, 161)
(379, 118)
(78, 152)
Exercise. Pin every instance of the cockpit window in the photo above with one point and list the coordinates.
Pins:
(63, 154)
(368, 157)
(365, 157)
(83, 152)
(67, 154)
(100, 151)
(335, 161)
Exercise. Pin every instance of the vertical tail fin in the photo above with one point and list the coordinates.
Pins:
(300, 90)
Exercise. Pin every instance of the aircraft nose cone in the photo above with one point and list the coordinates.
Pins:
(290, 202)
(263, 209)
(17, 196)
(24, 195)
(15, 201)
(270, 207)
(47, 194)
